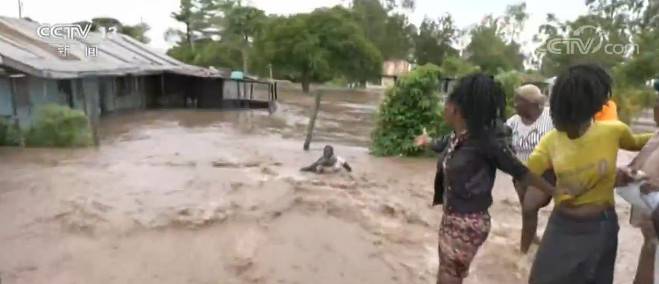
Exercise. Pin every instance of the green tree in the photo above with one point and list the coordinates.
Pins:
(137, 32)
(489, 49)
(319, 46)
(435, 40)
(208, 53)
(241, 24)
(216, 30)
(400, 38)
(455, 67)
(106, 23)
(390, 32)
(185, 16)
(514, 20)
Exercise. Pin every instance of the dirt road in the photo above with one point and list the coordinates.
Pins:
(207, 197)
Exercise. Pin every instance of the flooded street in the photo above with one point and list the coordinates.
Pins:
(217, 197)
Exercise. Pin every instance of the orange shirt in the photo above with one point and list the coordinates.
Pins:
(609, 112)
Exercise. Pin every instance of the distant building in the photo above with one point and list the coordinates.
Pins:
(107, 72)
(394, 69)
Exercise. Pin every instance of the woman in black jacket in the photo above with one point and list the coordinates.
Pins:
(466, 170)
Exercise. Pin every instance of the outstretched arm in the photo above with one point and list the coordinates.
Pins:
(633, 142)
(347, 167)
(313, 167)
(342, 163)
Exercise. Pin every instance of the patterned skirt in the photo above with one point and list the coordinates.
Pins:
(460, 236)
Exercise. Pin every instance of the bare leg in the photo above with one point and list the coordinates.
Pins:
(529, 223)
(442, 277)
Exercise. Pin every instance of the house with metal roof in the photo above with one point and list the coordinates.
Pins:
(105, 72)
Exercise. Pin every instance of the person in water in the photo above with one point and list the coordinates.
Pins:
(469, 159)
(531, 122)
(580, 242)
(328, 162)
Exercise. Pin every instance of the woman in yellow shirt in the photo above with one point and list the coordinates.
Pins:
(580, 242)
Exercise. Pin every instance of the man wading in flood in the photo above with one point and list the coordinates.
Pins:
(328, 162)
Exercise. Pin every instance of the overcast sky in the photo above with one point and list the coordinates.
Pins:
(157, 13)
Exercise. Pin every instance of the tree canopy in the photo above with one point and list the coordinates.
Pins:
(318, 46)
(494, 45)
(435, 40)
(137, 31)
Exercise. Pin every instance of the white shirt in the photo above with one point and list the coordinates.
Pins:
(336, 167)
(526, 137)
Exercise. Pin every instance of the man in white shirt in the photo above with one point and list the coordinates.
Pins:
(531, 122)
(328, 163)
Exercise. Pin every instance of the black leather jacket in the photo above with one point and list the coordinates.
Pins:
(472, 169)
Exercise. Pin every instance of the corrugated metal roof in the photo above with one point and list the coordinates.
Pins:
(22, 49)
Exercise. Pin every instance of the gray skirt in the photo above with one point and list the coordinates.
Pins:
(577, 250)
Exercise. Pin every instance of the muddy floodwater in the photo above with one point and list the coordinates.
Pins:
(216, 197)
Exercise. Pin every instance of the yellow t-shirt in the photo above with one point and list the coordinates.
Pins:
(586, 166)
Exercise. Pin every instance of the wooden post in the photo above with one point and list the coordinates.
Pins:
(238, 92)
(162, 84)
(312, 121)
(251, 91)
(14, 100)
(94, 117)
(244, 89)
(276, 92)
(221, 92)
(90, 110)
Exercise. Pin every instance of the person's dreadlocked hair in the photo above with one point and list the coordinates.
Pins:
(481, 101)
(579, 94)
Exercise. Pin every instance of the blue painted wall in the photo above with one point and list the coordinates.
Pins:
(5, 97)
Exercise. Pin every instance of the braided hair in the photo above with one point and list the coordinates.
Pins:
(481, 101)
(578, 94)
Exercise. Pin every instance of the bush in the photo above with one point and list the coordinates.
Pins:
(407, 108)
(631, 97)
(9, 136)
(631, 101)
(4, 128)
(59, 126)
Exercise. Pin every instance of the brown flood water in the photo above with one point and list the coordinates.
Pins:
(216, 197)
